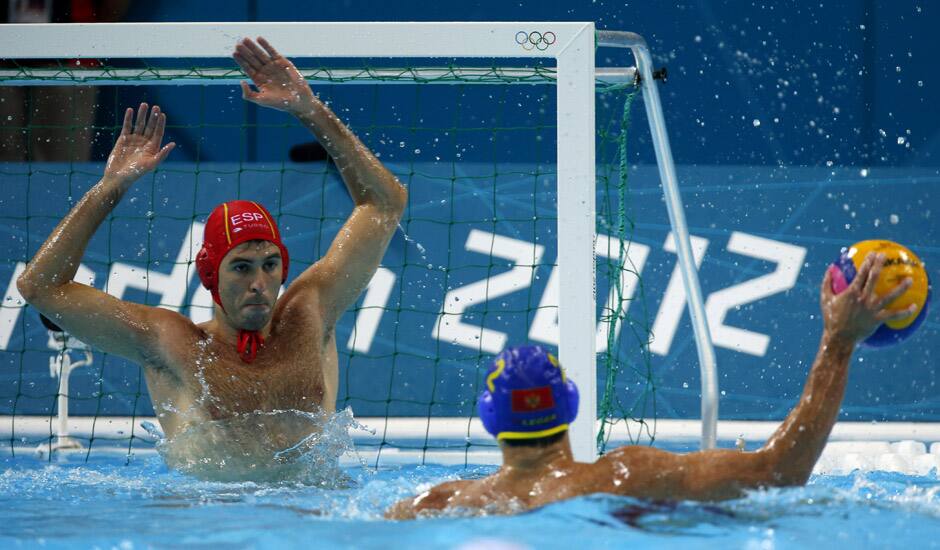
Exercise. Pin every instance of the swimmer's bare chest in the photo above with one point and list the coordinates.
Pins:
(296, 369)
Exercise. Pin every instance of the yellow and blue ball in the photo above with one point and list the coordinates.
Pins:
(900, 263)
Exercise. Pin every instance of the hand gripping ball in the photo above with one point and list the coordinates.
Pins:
(900, 263)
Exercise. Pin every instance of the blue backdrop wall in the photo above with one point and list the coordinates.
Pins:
(798, 131)
(832, 82)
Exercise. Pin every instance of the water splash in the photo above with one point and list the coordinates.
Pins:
(419, 246)
(278, 446)
(152, 430)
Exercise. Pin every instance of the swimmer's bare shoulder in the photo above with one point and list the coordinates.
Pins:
(173, 341)
(435, 499)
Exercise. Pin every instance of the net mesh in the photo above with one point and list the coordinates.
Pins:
(468, 272)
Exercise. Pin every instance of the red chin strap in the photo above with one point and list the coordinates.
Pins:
(249, 342)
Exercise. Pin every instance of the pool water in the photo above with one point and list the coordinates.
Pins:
(110, 502)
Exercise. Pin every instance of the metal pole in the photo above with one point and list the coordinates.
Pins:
(670, 183)
(577, 225)
(62, 430)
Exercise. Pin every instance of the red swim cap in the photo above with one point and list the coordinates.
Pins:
(229, 225)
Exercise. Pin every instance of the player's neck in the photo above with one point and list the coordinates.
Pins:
(522, 460)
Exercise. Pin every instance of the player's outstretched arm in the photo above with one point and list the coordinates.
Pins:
(789, 455)
(342, 274)
(848, 318)
(96, 318)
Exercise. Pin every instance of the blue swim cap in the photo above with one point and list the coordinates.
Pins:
(527, 395)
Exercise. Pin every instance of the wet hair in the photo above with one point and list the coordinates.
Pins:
(536, 442)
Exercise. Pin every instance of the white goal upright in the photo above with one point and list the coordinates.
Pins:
(572, 47)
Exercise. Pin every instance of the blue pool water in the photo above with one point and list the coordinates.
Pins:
(107, 503)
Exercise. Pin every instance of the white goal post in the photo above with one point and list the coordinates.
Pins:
(572, 46)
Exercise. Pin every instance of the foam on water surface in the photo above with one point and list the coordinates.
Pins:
(278, 446)
(107, 503)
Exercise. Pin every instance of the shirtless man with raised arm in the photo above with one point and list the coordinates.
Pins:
(528, 404)
(260, 352)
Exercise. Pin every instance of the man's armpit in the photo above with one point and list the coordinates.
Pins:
(173, 340)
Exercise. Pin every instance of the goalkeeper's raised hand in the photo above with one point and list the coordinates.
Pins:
(279, 84)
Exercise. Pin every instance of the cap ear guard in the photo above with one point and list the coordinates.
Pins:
(204, 267)
(487, 410)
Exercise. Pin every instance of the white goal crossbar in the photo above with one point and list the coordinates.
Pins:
(570, 44)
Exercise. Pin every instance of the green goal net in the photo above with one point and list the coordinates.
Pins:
(472, 268)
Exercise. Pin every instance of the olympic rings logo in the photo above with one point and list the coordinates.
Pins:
(535, 40)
